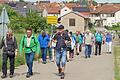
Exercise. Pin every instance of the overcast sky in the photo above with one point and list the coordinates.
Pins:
(114, 1)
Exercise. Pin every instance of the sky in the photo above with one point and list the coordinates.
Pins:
(103, 1)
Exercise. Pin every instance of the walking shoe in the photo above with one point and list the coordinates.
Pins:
(62, 75)
(77, 54)
(85, 57)
(11, 75)
(44, 62)
(88, 56)
(95, 54)
(28, 75)
(31, 74)
(110, 52)
(3, 76)
(59, 71)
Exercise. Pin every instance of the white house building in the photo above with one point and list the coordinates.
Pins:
(106, 15)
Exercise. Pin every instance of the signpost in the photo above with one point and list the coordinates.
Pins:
(52, 20)
(4, 21)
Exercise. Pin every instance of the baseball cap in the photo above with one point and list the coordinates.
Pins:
(60, 27)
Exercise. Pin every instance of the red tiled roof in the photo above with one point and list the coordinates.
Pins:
(4, 1)
(52, 8)
(71, 5)
(55, 10)
(108, 8)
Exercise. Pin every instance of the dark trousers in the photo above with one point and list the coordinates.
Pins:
(98, 48)
(44, 54)
(29, 61)
(4, 63)
(49, 51)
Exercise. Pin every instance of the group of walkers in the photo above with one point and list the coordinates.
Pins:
(61, 47)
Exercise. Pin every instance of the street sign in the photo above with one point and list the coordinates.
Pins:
(52, 19)
(4, 20)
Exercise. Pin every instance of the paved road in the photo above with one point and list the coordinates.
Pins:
(95, 68)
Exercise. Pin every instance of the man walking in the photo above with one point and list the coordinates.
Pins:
(88, 44)
(9, 45)
(109, 42)
(31, 46)
(44, 41)
(98, 43)
(62, 39)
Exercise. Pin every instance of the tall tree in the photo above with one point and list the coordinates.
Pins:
(94, 3)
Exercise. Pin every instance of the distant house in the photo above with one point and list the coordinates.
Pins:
(106, 15)
(4, 1)
(49, 9)
(23, 7)
(74, 21)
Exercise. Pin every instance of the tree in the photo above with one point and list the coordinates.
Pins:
(21, 1)
(94, 3)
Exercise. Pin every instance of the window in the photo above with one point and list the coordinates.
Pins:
(65, 9)
(71, 22)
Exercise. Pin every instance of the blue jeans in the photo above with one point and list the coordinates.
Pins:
(88, 50)
(29, 61)
(44, 54)
(61, 58)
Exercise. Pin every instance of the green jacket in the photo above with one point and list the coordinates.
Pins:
(34, 45)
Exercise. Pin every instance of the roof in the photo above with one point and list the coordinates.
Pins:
(55, 10)
(52, 8)
(108, 8)
(77, 13)
(71, 5)
(81, 9)
(4, 1)
(86, 13)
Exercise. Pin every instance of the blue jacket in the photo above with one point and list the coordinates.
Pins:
(98, 37)
(43, 41)
(108, 38)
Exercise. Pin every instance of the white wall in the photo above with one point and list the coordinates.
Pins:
(110, 21)
(117, 16)
(64, 11)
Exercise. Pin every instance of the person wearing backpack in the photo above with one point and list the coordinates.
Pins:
(77, 43)
(98, 43)
(61, 39)
(31, 46)
(73, 41)
(9, 45)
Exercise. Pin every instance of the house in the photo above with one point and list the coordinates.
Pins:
(49, 9)
(4, 1)
(64, 10)
(106, 15)
(74, 21)
(24, 7)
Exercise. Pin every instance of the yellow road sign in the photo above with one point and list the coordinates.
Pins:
(52, 19)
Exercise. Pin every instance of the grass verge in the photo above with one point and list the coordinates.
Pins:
(117, 62)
